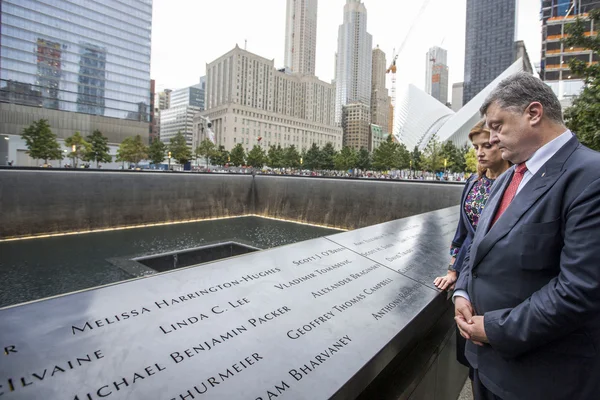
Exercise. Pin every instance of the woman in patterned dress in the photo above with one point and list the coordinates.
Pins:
(477, 190)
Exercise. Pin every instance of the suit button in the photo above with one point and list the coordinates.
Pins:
(474, 275)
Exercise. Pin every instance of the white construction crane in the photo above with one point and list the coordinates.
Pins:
(392, 67)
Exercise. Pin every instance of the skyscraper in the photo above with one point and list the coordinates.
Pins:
(84, 57)
(380, 99)
(436, 79)
(353, 59)
(435, 55)
(184, 104)
(301, 36)
(489, 42)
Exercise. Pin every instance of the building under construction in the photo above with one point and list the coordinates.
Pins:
(557, 15)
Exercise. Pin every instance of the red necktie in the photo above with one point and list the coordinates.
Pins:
(511, 190)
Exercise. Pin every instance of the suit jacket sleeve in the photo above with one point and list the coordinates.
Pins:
(465, 272)
(568, 300)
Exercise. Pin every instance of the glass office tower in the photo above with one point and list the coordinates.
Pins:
(85, 56)
(490, 43)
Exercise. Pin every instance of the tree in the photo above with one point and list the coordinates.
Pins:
(312, 160)
(275, 157)
(156, 151)
(132, 150)
(238, 155)
(41, 142)
(417, 159)
(205, 150)
(363, 160)
(99, 150)
(460, 164)
(179, 149)
(256, 157)
(433, 157)
(328, 154)
(471, 161)
(291, 157)
(402, 157)
(346, 159)
(455, 157)
(583, 117)
(385, 157)
(80, 148)
(220, 156)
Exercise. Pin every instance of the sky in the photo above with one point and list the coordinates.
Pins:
(188, 34)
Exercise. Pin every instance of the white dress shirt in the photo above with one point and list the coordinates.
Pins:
(535, 162)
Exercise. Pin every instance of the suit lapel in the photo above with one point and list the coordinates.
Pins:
(493, 202)
(539, 184)
(489, 211)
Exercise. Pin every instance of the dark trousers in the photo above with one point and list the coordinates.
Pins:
(481, 392)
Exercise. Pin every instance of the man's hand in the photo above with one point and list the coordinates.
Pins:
(470, 326)
(472, 329)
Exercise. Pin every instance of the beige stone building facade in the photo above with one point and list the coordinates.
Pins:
(247, 99)
(380, 99)
(356, 123)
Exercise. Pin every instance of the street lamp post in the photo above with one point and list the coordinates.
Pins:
(7, 145)
(73, 149)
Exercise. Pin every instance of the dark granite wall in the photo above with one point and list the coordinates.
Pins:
(349, 203)
(34, 202)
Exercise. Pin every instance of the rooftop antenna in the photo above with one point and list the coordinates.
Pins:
(245, 44)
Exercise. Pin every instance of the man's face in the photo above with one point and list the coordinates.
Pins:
(512, 132)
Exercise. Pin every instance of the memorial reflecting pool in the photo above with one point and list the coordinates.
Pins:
(38, 268)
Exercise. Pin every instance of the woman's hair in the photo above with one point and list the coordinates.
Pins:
(478, 129)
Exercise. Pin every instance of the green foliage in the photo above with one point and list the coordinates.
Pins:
(328, 154)
(416, 158)
(291, 157)
(385, 157)
(206, 149)
(433, 156)
(256, 157)
(471, 161)
(346, 159)
(99, 150)
(157, 151)
(275, 158)
(179, 149)
(455, 157)
(220, 156)
(238, 155)
(402, 157)
(80, 148)
(132, 150)
(41, 142)
(312, 159)
(363, 159)
(583, 117)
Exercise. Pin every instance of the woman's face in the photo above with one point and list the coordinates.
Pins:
(488, 155)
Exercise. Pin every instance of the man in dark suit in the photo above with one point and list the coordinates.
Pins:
(528, 300)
